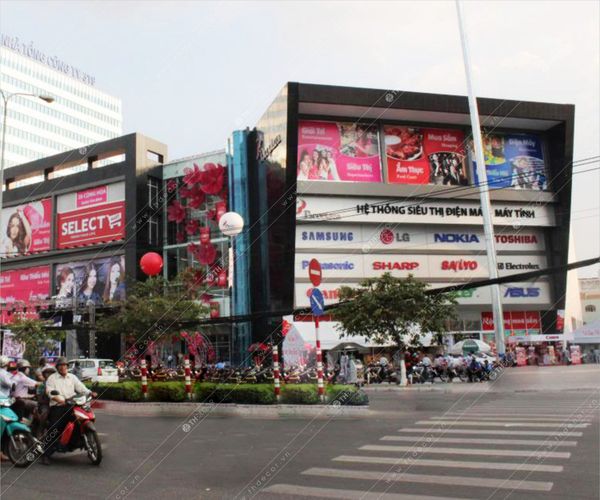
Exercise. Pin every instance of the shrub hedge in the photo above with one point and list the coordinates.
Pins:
(262, 394)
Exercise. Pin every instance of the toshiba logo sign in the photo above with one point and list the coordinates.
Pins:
(92, 225)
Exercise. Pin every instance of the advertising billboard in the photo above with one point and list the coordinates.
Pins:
(458, 212)
(516, 323)
(338, 151)
(425, 155)
(26, 228)
(100, 280)
(91, 216)
(23, 286)
(512, 161)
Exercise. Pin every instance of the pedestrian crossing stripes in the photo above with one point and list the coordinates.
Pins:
(428, 478)
(468, 451)
(530, 442)
(457, 464)
(490, 447)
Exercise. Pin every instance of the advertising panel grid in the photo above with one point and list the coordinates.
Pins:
(425, 155)
(338, 151)
(23, 286)
(26, 228)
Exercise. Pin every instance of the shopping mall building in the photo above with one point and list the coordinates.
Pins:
(367, 181)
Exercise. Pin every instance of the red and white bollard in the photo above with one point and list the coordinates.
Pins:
(144, 378)
(320, 385)
(276, 372)
(188, 378)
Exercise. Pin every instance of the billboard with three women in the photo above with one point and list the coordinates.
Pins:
(101, 281)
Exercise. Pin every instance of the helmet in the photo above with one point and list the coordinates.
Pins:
(48, 369)
(12, 365)
(61, 361)
(4, 360)
(23, 363)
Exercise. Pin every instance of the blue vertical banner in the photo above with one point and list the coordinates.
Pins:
(513, 161)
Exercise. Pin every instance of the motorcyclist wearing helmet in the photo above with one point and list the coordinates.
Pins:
(24, 398)
(5, 378)
(66, 385)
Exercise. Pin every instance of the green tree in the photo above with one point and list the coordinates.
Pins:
(155, 308)
(388, 311)
(36, 335)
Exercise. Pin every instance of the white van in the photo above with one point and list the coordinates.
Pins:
(96, 370)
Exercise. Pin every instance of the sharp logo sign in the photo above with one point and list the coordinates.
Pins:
(387, 237)
(455, 238)
(395, 266)
(327, 236)
(516, 293)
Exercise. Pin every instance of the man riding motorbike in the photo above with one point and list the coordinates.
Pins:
(22, 392)
(67, 385)
(6, 382)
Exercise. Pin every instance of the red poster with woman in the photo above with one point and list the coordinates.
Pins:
(333, 151)
(26, 228)
(425, 155)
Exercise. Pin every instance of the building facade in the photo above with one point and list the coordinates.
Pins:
(371, 181)
(72, 239)
(590, 299)
(80, 115)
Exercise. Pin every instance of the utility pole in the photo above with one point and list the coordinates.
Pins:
(484, 194)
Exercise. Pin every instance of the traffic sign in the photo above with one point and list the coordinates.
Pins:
(314, 272)
(317, 302)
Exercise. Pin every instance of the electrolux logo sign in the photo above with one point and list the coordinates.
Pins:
(387, 237)
(327, 236)
(395, 266)
(332, 266)
(519, 292)
(510, 266)
(455, 238)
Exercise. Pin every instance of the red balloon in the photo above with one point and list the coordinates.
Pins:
(151, 263)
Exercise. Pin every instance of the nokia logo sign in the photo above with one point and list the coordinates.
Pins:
(455, 238)
(327, 236)
(395, 266)
(517, 293)
(387, 237)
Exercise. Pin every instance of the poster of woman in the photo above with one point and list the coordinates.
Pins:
(100, 281)
(25, 228)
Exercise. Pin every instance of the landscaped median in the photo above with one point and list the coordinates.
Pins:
(244, 400)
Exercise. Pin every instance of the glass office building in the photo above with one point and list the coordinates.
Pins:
(80, 115)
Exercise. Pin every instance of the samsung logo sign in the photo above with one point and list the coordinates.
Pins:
(332, 266)
(327, 236)
(455, 238)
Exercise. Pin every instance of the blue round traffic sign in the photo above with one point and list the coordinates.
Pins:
(317, 302)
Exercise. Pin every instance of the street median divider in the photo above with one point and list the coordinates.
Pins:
(242, 394)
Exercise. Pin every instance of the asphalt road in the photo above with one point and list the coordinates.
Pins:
(534, 434)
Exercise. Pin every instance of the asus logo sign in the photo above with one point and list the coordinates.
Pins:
(516, 293)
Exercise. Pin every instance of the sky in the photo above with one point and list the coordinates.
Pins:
(191, 72)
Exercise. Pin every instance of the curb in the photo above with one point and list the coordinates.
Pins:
(185, 410)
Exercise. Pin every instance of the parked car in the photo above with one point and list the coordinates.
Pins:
(96, 370)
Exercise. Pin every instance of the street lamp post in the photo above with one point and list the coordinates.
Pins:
(231, 224)
(6, 98)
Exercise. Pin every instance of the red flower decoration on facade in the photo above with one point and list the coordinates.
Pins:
(180, 237)
(192, 175)
(212, 178)
(191, 227)
(205, 253)
(211, 214)
(171, 185)
(176, 212)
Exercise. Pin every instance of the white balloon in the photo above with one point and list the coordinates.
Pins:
(231, 223)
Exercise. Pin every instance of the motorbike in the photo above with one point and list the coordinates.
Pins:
(377, 374)
(17, 441)
(420, 374)
(80, 432)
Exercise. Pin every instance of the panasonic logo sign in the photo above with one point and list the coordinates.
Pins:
(332, 266)
(327, 236)
(455, 238)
